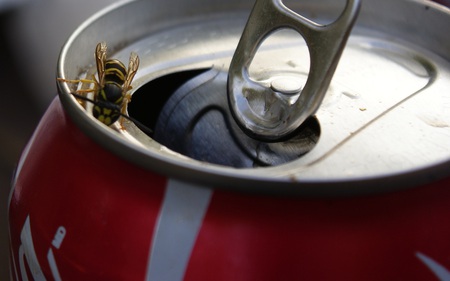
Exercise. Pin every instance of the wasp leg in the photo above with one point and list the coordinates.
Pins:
(86, 81)
(123, 109)
(83, 91)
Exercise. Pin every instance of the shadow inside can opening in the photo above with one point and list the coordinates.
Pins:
(188, 112)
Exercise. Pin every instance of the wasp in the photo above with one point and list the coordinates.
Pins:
(111, 90)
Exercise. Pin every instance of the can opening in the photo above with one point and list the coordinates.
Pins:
(149, 99)
(189, 113)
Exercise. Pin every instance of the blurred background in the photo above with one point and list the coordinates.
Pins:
(32, 33)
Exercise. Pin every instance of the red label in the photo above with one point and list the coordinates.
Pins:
(80, 213)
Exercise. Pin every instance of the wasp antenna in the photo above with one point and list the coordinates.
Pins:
(141, 126)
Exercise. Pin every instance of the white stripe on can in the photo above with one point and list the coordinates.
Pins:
(180, 219)
(440, 271)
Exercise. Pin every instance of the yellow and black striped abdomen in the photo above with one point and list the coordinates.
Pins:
(115, 71)
(108, 103)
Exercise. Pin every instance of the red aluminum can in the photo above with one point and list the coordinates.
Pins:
(368, 200)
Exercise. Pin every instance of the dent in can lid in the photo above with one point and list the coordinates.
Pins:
(383, 124)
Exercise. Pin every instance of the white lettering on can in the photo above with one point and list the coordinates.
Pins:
(59, 236)
(57, 240)
(27, 254)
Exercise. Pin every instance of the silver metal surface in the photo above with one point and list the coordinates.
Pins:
(263, 111)
(384, 121)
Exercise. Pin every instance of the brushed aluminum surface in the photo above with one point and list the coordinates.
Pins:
(384, 122)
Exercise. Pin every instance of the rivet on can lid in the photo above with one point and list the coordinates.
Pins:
(287, 85)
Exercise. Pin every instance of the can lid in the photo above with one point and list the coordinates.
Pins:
(384, 122)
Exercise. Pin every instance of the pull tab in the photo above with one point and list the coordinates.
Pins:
(262, 111)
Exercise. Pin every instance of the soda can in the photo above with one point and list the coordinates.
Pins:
(179, 192)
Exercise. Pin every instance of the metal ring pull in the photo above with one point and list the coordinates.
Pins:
(261, 111)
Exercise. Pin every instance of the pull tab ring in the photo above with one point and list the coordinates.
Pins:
(257, 109)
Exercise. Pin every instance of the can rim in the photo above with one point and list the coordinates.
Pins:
(247, 180)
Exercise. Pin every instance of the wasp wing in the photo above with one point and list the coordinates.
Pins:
(100, 59)
(133, 66)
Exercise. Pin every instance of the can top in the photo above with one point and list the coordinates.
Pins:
(384, 122)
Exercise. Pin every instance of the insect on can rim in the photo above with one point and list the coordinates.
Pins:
(293, 177)
(82, 208)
